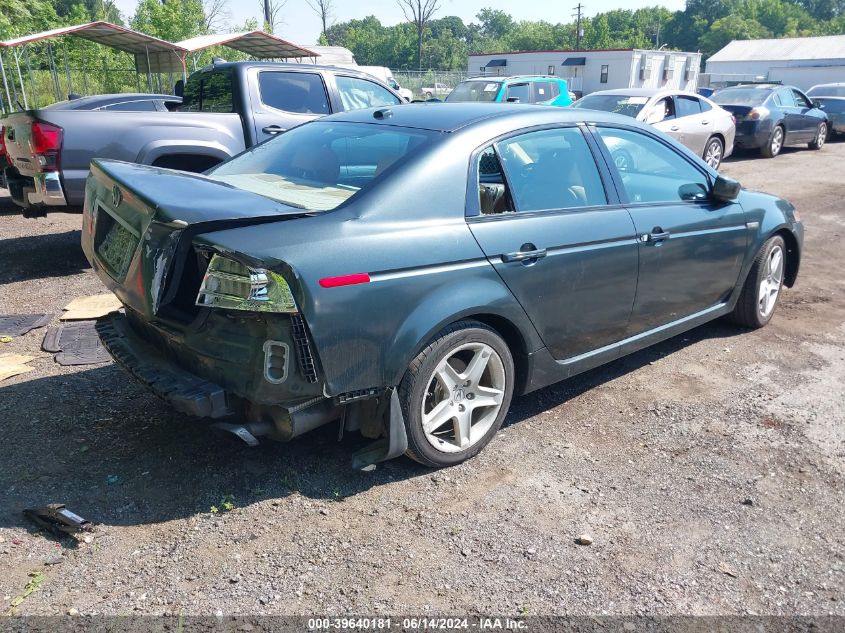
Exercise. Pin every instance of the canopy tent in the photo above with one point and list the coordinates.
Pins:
(255, 43)
(151, 54)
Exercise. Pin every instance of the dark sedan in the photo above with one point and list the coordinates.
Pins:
(771, 116)
(407, 271)
(831, 99)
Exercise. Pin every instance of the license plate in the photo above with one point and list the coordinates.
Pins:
(117, 248)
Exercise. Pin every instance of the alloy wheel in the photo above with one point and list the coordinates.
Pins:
(463, 397)
(713, 155)
(770, 284)
(821, 135)
(777, 141)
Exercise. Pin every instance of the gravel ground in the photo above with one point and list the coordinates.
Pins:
(709, 471)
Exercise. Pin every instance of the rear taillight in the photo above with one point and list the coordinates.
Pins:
(46, 142)
(758, 113)
(2, 141)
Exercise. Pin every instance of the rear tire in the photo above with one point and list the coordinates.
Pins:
(760, 294)
(713, 152)
(775, 144)
(456, 393)
(821, 137)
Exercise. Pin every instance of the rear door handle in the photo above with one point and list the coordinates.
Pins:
(705, 123)
(273, 129)
(522, 256)
(675, 128)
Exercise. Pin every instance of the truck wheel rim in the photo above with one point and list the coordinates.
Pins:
(771, 283)
(463, 397)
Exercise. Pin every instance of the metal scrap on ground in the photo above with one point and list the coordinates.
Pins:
(14, 365)
(93, 307)
(58, 519)
(75, 343)
(20, 324)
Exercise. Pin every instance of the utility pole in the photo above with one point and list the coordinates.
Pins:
(657, 34)
(268, 20)
(579, 32)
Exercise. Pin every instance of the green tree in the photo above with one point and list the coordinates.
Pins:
(732, 27)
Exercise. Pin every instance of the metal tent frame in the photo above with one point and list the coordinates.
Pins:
(151, 54)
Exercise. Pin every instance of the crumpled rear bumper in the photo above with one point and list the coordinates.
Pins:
(184, 391)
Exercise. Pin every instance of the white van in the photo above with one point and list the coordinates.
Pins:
(383, 73)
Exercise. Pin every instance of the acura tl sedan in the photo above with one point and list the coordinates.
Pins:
(407, 271)
(692, 119)
(771, 116)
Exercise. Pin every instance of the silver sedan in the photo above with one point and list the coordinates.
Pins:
(701, 125)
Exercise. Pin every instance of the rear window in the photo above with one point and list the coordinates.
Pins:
(826, 91)
(319, 166)
(209, 92)
(741, 96)
(629, 105)
(475, 91)
(302, 93)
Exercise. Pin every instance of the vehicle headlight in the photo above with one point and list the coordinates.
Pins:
(235, 286)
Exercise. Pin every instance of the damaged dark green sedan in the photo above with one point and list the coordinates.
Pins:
(407, 271)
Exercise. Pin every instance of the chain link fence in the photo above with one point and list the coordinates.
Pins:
(428, 84)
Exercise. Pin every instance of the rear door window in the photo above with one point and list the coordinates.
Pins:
(519, 93)
(687, 106)
(302, 93)
(786, 98)
(356, 93)
(542, 91)
(551, 169)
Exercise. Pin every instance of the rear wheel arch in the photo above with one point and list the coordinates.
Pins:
(513, 336)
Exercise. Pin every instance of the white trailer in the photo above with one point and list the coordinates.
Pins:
(589, 71)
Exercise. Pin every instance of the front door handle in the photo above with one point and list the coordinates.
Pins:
(705, 123)
(675, 128)
(273, 129)
(524, 256)
(657, 235)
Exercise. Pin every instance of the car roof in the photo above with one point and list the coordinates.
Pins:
(643, 92)
(97, 101)
(344, 70)
(514, 78)
(450, 117)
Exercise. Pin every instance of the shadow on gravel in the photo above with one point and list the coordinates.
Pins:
(37, 256)
(535, 403)
(116, 455)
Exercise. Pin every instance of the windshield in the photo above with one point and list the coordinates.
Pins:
(475, 91)
(826, 91)
(620, 104)
(318, 166)
(741, 96)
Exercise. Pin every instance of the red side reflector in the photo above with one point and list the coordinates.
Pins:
(345, 280)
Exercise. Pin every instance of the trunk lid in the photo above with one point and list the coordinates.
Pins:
(138, 227)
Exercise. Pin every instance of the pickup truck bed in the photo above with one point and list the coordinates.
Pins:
(226, 108)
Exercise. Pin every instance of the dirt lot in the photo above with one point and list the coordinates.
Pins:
(710, 471)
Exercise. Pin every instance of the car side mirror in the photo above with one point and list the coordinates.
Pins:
(725, 189)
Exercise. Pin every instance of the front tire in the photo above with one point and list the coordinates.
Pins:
(775, 144)
(820, 138)
(713, 152)
(761, 291)
(456, 393)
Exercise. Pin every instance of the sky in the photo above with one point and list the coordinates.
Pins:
(302, 26)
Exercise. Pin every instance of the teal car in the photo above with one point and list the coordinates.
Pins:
(539, 89)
